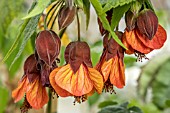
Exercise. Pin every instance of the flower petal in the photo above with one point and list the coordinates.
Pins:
(130, 49)
(77, 84)
(117, 75)
(37, 95)
(157, 41)
(19, 92)
(97, 79)
(61, 92)
(135, 43)
(102, 60)
(106, 68)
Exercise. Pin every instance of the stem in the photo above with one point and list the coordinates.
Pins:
(49, 102)
(62, 32)
(78, 26)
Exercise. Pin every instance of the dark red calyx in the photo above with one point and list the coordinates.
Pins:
(147, 23)
(78, 53)
(48, 46)
(130, 20)
(66, 16)
(30, 68)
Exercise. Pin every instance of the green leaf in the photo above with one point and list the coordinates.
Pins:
(3, 99)
(124, 104)
(11, 10)
(86, 7)
(15, 44)
(106, 103)
(79, 3)
(118, 13)
(103, 2)
(115, 3)
(149, 4)
(113, 109)
(120, 109)
(39, 8)
(167, 103)
(135, 109)
(28, 32)
(102, 16)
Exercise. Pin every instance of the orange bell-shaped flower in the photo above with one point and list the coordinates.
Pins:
(77, 77)
(31, 86)
(111, 64)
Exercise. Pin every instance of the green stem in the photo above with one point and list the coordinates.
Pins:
(62, 32)
(78, 26)
(49, 102)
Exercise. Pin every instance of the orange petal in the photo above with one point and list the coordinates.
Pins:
(106, 68)
(91, 92)
(135, 43)
(61, 92)
(77, 84)
(102, 60)
(97, 79)
(19, 92)
(37, 95)
(157, 41)
(117, 75)
(130, 49)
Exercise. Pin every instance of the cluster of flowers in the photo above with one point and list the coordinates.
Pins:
(78, 78)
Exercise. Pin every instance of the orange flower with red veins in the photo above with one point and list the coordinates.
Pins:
(143, 33)
(140, 44)
(111, 64)
(77, 77)
(30, 84)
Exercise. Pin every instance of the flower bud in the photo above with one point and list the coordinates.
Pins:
(147, 23)
(48, 46)
(66, 16)
(130, 20)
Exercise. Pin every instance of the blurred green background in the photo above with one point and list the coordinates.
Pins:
(147, 83)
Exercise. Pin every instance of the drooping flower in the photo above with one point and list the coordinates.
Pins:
(77, 77)
(143, 33)
(140, 44)
(31, 86)
(47, 47)
(111, 64)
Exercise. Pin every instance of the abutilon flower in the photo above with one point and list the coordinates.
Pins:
(31, 86)
(47, 47)
(145, 36)
(77, 78)
(111, 64)
(37, 69)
